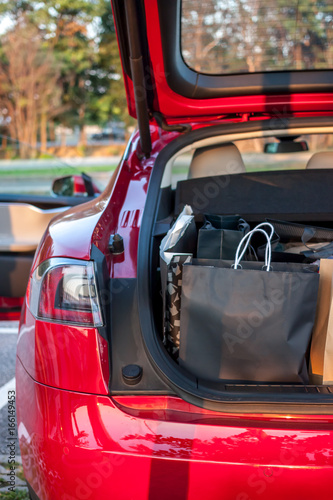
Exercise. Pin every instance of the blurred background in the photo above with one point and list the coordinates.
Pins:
(61, 93)
(62, 100)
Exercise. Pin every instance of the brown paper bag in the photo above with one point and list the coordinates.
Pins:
(321, 353)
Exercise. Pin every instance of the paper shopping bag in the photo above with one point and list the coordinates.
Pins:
(220, 236)
(245, 321)
(176, 248)
(321, 354)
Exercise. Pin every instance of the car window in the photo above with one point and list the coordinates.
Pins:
(248, 36)
(257, 160)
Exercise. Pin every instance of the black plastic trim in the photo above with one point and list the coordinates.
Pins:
(15, 270)
(32, 494)
(170, 128)
(118, 9)
(44, 202)
(103, 280)
(185, 385)
(88, 184)
(127, 344)
(138, 65)
(188, 83)
(103, 286)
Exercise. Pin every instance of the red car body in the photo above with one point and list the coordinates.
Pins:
(77, 440)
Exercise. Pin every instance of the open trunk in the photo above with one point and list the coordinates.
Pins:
(297, 195)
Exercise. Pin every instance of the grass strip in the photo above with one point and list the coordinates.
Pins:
(55, 171)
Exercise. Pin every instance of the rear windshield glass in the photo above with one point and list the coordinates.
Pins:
(249, 36)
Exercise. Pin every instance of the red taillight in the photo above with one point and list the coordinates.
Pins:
(65, 291)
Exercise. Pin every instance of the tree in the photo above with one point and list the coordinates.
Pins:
(106, 86)
(66, 25)
(80, 35)
(28, 83)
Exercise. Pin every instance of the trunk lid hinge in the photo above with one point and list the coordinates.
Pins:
(160, 120)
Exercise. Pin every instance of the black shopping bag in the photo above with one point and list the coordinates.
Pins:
(220, 236)
(300, 243)
(249, 322)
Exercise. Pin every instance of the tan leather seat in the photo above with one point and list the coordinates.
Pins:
(321, 160)
(224, 159)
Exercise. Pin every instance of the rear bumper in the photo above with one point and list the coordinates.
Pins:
(79, 446)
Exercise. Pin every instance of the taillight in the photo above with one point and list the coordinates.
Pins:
(65, 291)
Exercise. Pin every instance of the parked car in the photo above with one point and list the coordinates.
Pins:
(103, 410)
(28, 201)
(113, 131)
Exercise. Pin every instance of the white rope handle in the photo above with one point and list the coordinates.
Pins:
(245, 241)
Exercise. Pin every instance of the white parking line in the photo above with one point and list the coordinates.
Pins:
(8, 331)
(10, 386)
(9, 327)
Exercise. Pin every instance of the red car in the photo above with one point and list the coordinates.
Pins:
(234, 102)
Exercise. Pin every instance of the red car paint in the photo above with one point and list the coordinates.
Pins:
(120, 206)
(81, 446)
(64, 356)
(77, 441)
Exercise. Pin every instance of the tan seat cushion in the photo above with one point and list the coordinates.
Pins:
(224, 159)
(321, 160)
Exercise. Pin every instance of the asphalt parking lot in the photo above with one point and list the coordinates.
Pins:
(8, 337)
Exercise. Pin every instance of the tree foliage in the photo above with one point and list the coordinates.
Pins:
(105, 73)
(77, 43)
(28, 82)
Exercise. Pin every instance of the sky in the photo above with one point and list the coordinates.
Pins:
(5, 23)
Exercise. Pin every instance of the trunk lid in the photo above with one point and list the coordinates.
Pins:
(191, 60)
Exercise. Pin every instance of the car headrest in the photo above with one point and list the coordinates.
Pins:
(321, 160)
(216, 160)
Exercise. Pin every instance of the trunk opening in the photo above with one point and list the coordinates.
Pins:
(165, 203)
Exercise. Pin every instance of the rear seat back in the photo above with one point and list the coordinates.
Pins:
(223, 159)
(298, 195)
(321, 160)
